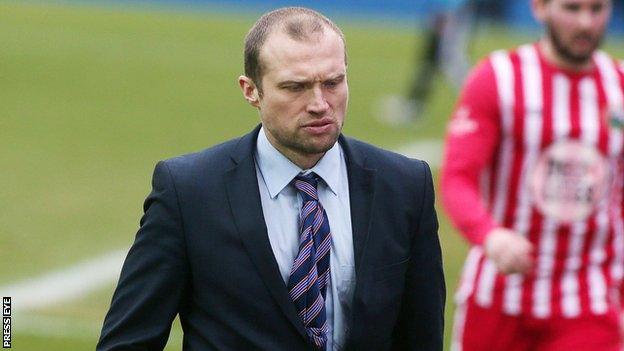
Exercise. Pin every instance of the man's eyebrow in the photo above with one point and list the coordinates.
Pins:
(338, 76)
(294, 82)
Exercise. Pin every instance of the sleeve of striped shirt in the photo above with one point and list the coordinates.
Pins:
(621, 71)
(471, 140)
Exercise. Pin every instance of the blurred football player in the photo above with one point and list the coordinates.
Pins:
(533, 179)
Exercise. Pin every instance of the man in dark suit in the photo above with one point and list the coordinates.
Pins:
(292, 237)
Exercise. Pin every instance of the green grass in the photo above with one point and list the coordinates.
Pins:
(92, 97)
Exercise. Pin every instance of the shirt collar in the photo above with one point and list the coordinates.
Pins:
(278, 171)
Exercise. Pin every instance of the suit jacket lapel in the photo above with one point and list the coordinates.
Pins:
(246, 206)
(361, 194)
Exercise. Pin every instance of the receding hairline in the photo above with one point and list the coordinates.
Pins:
(316, 26)
(298, 23)
(313, 37)
(286, 19)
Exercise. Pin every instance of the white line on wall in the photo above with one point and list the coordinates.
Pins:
(66, 284)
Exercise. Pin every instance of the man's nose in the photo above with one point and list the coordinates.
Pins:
(318, 103)
(586, 20)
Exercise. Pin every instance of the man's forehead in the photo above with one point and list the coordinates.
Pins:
(278, 41)
(580, 2)
(285, 54)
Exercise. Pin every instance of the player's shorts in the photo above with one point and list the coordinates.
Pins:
(480, 329)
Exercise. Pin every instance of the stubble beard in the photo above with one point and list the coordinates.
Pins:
(305, 146)
(298, 147)
(565, 52)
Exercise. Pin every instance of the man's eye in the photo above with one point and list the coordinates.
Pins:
(330, 84)
(294, 88)
(597, 8)
(572, 7)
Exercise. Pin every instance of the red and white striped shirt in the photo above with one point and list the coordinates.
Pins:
(538, 149)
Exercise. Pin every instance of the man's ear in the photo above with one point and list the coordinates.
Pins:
(250, 91)
(539, 10)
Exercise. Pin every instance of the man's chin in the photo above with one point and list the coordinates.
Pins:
(576, 57)
(320, 146)
(583, 55)
(579, 58)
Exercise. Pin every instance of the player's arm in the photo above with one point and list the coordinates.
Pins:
(473, 136)
(620, 71)
(153, 277)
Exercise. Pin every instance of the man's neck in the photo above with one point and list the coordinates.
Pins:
(303, 161)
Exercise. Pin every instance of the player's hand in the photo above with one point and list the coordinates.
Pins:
(510, 251)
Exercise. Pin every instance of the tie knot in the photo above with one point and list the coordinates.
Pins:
(306, 185)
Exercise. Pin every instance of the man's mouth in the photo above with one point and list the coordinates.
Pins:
(584, 40)
(320, 126)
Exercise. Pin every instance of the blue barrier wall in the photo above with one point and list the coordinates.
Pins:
(519, 13)
(515, 12)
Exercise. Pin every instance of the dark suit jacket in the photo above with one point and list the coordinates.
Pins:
(202, 252)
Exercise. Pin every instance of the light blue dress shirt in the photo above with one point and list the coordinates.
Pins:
(281, 204)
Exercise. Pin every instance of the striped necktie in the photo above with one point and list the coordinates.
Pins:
(309, 276)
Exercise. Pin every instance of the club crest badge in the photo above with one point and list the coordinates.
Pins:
(569, 180)
(616, 118)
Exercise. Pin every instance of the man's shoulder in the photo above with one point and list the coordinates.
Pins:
(498, 67)
(385, 160)
(497, 63)
(214, 157)
(517, 50)
(606, 59)
(397, 176)
(508, 57)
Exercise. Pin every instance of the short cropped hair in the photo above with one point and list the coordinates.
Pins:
(299, 23)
